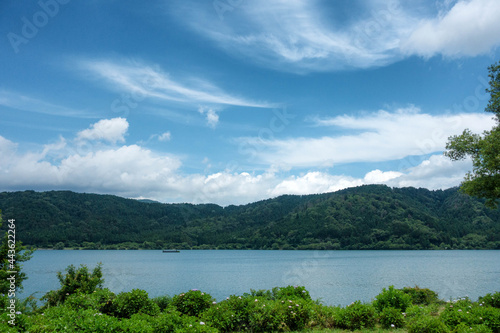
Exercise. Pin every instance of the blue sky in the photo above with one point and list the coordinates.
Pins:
(233, 101)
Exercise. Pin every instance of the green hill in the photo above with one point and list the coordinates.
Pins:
(365, 217)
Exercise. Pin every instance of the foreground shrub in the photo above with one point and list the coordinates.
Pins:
(163, 302)
(127, 304)
(65, 319)
(490, 317)
(356, 316)
(291, 292)
(391, 318)
(100, 300)
(75, 280)
(426, 325)
(421, 296)
(491, 300)
(175, 322)
(323, 316)
(193, 302)
(393, 298)
(463, 328)
(259, 314)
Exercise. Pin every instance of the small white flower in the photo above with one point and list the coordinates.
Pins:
(392, 325)
(256, 300)
(202, 323)
(214, 302)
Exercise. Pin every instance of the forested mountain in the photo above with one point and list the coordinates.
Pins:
(365, 217)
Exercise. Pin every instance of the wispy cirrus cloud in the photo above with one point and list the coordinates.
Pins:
(304, 36)
(25, 102)
(151, 81)
(299, 36)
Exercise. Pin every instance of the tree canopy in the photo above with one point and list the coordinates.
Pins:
(484, 150)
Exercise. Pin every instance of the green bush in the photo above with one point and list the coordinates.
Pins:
(127, 304)
(163, 302)
(421, 296)
(491, 300)
(393, 298)
(463, 328)
(229, 315)
(65, 319)
(391, 318)
(259, 314)
(193, 302)
(100, 300)
(291, 292)
(175, 322)
(489, 316)
(426, 325)
(75, 280)
(323, 316)
(356, 316)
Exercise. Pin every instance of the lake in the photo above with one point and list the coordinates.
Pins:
(337, 277)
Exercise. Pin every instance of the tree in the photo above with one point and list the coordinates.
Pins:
(76, 280)
(12, 253)
(484, 179)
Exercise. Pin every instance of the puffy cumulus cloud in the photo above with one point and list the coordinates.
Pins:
(111, 130)
(127, 170)
(133, 171)
(211, 115)
(469, 28)
(437, 172)
(379, 136)
(314, 182)
(380, 177)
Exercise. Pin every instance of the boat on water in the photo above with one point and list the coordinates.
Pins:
(171, 251)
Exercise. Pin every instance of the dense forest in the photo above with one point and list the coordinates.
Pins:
(365, 217)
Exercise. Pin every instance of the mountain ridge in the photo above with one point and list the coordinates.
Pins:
(363, 217)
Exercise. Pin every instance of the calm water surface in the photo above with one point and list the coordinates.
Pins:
(337, 277)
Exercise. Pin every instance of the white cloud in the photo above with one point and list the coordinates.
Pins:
(304, 36)
(165, 136)
(133, 171)
(469, 28)
(211, 115)
(380, 136)
(299, 35)
(437, 172)
(314, 182)
(111, 130)
(24, 102)
(381, 177)
(150, 81)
